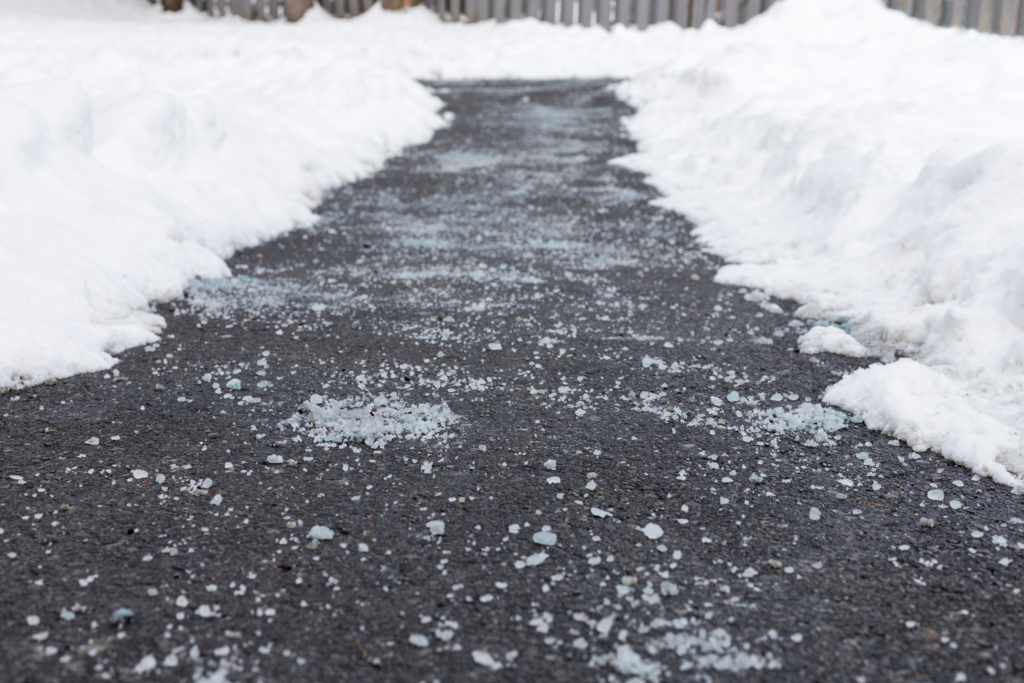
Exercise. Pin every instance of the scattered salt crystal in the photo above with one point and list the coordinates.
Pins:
(551, 465)
(722, 500)
(217, 499)
(936, 494)
(927, 522)
(535, 559)
(494, 346)
(513, 528)
(715, 401)
(181, 601)
(145, 665)
(32, 620)
(486, 598)
(40, 637)
(484, 659)
(910, 624)
(958, 483)
(955, 504)
(554, 480)
(653, 531)
(92, 441)
(598, 512)
(234, 384)
(67, 615)
(427, 467)
(733, 397)
(846, 482)
(797, 638)
(419, 640)
(320, 533)
(275, 459)
(669, 589)
(140, 474)
(545, 538)
(436, 527)
(206, 612)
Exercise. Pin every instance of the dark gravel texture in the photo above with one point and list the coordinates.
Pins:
(514, 227)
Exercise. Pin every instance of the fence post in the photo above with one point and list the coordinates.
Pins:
(622, 12)
(730, 12)
(515, 9)
(549, 11)
(604, 13)
(586, 12)
(681, 12)
(643, 13)
(501, 10)
(661, 9)
(973, 14)
(1020, 19)
(567, 8)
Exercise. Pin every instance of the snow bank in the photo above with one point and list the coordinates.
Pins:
(138, 148)
(867, 165)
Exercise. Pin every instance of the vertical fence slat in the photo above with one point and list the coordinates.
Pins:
(730, 12)
(586, 12)
(681, 12)
(501, 10)
(533, 8)
(549, 10)
(661, 9)
(484, 10)
(567, 10)
(751, 10)
(1020, 19)
(515, 9)
(700, 8)
(973, 13)
(622, 12)
(604, 13)
(643, 13)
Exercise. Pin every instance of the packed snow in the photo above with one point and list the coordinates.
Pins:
(866, 165)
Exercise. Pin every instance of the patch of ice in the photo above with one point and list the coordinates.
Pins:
(374, 422)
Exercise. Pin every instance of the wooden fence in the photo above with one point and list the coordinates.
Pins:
(991, 16)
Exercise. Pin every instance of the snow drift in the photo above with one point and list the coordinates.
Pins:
(866, 165)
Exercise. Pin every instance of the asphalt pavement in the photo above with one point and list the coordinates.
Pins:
(490, 419)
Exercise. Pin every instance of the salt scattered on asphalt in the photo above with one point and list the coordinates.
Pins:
(320, 533)
(653, 531)
(545, 538)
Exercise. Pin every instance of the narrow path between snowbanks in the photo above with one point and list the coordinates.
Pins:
(489, 419)
(868, 166)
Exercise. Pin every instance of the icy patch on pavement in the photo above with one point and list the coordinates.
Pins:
(811, 418)
(818, 183)
(697, 649)
(374, 422)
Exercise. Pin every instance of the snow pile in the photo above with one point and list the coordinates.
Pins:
(373, 422)
(867, 165)
(829, 339)
(139, 148)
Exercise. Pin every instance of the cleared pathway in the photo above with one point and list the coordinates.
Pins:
(490, 419)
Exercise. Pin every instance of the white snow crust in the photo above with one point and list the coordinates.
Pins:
(828, 339)
(140, 148)
(868, 166)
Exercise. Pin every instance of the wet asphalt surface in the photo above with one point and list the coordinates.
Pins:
(507, 271)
